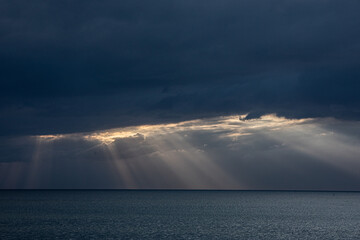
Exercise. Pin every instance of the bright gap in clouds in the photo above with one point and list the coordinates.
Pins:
(228, 126)
(226, 152)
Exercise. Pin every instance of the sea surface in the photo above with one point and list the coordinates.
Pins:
(179, 215)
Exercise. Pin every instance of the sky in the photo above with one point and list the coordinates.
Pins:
(251, 95)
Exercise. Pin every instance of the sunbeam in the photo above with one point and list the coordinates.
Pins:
(228, 152)
(122, 166)
(332, 148)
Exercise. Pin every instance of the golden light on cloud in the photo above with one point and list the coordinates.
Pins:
(168, 146)
(51, 137)
(227, 152)
(231, 126)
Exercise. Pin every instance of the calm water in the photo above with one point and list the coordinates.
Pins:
(178, 215)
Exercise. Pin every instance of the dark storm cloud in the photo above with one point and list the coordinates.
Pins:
(78, 66)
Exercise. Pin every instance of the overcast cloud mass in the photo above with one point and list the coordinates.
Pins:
(73, 71)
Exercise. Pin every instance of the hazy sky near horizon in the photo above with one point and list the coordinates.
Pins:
(252, 94)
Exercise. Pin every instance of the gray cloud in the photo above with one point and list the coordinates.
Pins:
(77, 69)
(70, 67)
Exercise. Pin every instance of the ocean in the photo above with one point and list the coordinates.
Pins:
(76, 214)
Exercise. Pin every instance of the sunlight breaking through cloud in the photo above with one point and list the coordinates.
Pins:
(228, 152)
(230, 126)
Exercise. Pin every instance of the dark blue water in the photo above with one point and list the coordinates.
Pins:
(178, 215)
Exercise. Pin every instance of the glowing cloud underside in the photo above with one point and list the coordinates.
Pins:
(223, 153)
(230, 125)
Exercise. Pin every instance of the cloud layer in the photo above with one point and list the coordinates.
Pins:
(70, 67)
(128, 94)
